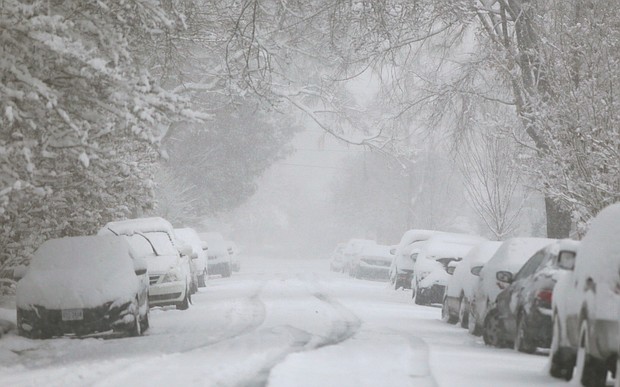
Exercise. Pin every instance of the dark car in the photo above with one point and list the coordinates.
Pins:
(524, 307)
(83, 285)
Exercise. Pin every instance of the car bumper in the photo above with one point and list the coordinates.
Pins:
(374, 272)
(404, 278)
(219, 267)
(42, 322)
(433, 294)
(540, 326)
(169, 293)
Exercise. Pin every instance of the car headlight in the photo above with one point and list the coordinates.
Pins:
(173, 275)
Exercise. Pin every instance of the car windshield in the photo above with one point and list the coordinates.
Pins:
(161, 243)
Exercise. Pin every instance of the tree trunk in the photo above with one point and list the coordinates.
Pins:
(558, 220)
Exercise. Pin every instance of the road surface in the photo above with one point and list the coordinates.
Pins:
(279, 323)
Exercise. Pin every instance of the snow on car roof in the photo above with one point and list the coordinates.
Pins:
(216, 247)
(131, 226)
(416, 235)
(78, 272)
(376, 251)
(449, 245)
(599, 252)
(189, 236)
(514, 252)
(211, 236)
(482, 252)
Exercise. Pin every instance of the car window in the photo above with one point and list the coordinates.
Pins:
(531, 265)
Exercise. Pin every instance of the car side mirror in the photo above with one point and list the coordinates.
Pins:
(450, 269)
(504, 276)
(186, 250)
(139, 266)
(19, 272)
(393, 251)
(566, 260)
(476, 270)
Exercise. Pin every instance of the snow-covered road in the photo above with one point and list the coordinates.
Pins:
(279, 323)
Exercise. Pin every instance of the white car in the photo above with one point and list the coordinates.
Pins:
(401, 268)
(83, 285)
(219, 259)
(461, 285)
(233, 251)
(351, 252)
(373, 262)
(510, 257)
(190, 237)
(586, 305)
(167, 260)
(432, 258)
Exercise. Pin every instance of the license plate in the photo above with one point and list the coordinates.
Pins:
(72, 314)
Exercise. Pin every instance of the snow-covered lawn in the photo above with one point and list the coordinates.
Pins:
(278, 323)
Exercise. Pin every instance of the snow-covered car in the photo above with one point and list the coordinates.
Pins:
(168, 261)
(510, 257)
(374, 262)
(524, 307)
(235, 260)
(83, 285)
(432, 258)
(586, 305)
(219, 259)
(461, 285)
(401, 268)
(336, 262)
(351, 252)
(190, 237)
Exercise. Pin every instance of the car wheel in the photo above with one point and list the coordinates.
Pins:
(562, 359)
(202, 279)
(522, 340)
(472, 325)
(184, 305)
(419, 298)
(136, 329)
(463, 313)
(492, 331)
(445, 312)
(227, 272)
(589, 370)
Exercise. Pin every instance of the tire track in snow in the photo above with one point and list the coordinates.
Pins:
(342, 328)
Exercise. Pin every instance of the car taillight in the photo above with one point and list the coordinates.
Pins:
(545, 295)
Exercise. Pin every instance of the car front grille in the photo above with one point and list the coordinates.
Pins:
(163, 297)
(154, 279)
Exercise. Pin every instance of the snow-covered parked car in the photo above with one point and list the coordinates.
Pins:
(401, 268)
(219, 259)
(461, 285)
(336, 262)
(510, 257)
(373, 262)
(190, 237)
(351, 252)
(167, 260)
(524, 307)
(430, 276)
(235, 260)
(586, 305)
(83, 285)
